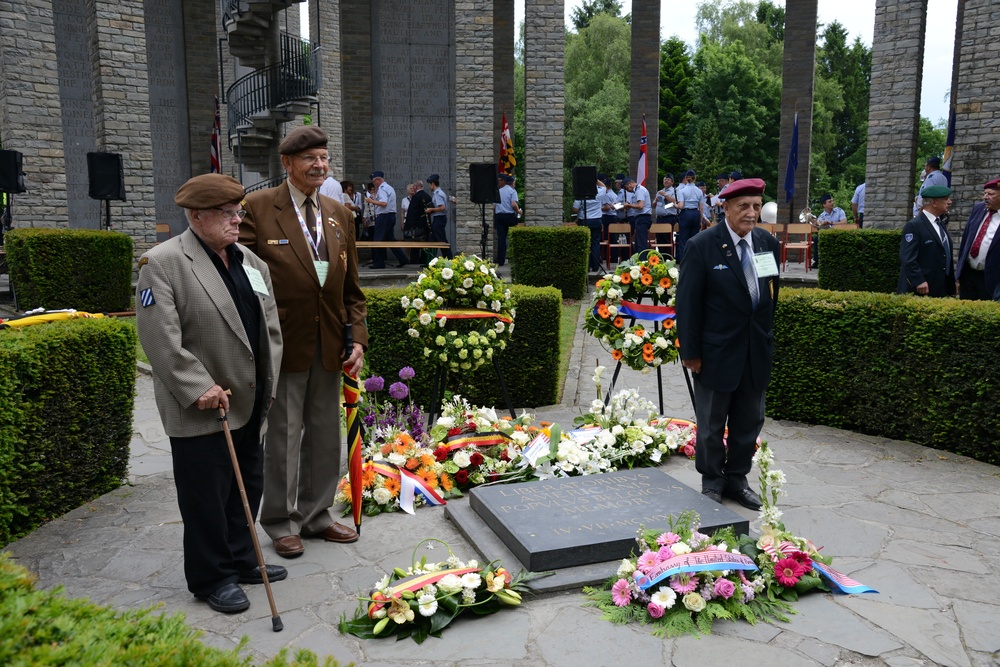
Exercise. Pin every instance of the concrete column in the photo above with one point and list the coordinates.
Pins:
(645, 90)
(121, 109)
(201, 55)
(30, 116)
(545, 110)
(798, 69)
(503, 81)
(324, 30)
(474, 114)
(356, 77)
(894, 111)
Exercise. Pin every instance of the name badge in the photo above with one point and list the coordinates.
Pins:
(322, 268)
(256, 280)
(765, 265)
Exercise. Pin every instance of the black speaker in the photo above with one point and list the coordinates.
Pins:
(483, 183)
(107, 176)
(11, 173)
(584, 182)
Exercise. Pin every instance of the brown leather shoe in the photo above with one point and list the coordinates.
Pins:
(336, 532)
(289, 546)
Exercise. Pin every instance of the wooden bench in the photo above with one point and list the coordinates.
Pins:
(403, 244)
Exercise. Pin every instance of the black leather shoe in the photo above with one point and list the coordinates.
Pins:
(274, 573)
(744, 497)
(712, 494)
(228, 598)
(401, 265)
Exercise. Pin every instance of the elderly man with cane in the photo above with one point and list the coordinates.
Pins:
(207, 320)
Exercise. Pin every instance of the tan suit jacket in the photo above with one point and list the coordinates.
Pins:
(272, 230)
(194, 338)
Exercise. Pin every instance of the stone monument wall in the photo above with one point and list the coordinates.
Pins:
(894, 111)
(545, 115)
(645, 98)
(326, 31)
(356, 75)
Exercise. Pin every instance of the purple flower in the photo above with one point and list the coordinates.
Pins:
(398, 391)
(369, 420)
(406, 373)
(374, 383)
(724, 588)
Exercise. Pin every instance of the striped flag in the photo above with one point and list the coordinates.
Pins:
(507, 161)
(949, 149)
(793, 161)
(641, 170)
(215, 152)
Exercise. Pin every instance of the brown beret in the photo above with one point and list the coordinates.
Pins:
(747, 187)
(209, 191)
(302, 139)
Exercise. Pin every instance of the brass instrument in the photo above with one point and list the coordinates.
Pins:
(806, 216)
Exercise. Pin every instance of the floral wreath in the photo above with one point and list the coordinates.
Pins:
(641, 345)
(461, 311)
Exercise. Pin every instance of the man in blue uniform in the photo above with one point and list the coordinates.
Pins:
(691, 200)
(830, 216)
(438, 210)
(640, 210)
(384, 202)
(505, 213)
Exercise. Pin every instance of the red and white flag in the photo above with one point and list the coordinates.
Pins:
(215, 152)
(507, 161)
(641, 170)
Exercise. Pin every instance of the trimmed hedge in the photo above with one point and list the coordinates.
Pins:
(86, 269)
(66, 395)
(903, 367)
(861, 260)
(41, 628)
(556, 256)
(530, 364)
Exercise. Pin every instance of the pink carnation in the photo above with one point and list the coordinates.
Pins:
(620, 593)
(724, 588)
(683, 583)
(667, 539)
(655, 610)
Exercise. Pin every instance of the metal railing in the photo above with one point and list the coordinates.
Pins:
(269, 183)
(230, 10)
(295, 77)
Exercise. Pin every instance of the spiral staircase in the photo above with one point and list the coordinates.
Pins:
(281, 87)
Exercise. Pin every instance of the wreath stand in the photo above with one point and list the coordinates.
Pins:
(659, 374)
(441, 382)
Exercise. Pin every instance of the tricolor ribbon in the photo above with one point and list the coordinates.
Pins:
(409, 486)
(698, 561)
(537, 448)
(487, 439)
(471, 314)
(642, 311)
(673, 421)
(413, 584)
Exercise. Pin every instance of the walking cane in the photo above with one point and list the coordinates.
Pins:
(276, 623)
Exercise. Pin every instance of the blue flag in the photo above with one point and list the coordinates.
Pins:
(793, 162)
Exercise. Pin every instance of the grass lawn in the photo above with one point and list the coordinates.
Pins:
(567, 329)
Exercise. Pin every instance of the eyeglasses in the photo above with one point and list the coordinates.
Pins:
(313, 159)
(229, 213)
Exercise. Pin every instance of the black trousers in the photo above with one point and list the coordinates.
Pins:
(385, 230)
(217, 542)
(972, 286)
(503, 222)
(723, 467)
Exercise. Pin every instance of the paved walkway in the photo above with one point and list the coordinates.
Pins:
(920, 525)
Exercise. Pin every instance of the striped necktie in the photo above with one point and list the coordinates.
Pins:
(747, 263)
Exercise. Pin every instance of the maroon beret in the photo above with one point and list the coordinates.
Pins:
(993, 185)
(302, 139)
(747, 187)
(209, 191)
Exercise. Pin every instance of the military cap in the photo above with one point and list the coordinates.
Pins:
(627, 179)
(209, 191)
(602, 177)
(936, 192)
(722, 177)
(935, 161)
(736, 175)
(699, 183)
(825, 198)
(434, 178)
(377, 174)
(993, 185)
(619, 177)
(508, 178)
(302, 139)
(689, 172)
(668, 175)
(747, 187)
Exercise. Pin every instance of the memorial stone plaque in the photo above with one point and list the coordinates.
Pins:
(560, 523)
(413, 92)
(76, 101)
(168, 107)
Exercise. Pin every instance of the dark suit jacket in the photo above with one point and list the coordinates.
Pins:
(194, 337)
(301, 300)
(923, 257)
(992, 273)
(715, 318)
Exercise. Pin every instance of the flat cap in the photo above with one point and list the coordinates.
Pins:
(377, 174)
(936, 192)
(302, 139)
(993, 185)
(209, 191)
(747, 187)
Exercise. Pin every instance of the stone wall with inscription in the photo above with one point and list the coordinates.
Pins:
(356, 77)
(412, 92)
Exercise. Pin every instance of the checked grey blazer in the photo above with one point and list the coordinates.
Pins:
(191, 331)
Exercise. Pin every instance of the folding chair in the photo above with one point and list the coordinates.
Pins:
(615, 233)
(664, 230)
(802, 233)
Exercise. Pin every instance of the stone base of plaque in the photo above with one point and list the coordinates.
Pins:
(579, 526)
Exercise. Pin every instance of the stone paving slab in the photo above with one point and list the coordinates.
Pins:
(919, 525)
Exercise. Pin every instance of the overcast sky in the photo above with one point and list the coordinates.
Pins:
(858, 17)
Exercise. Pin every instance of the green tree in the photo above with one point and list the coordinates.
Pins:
(675, 104)
(581, 16)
